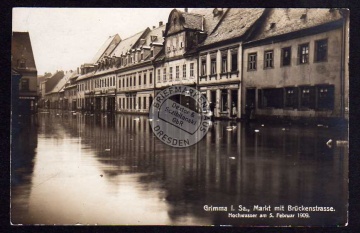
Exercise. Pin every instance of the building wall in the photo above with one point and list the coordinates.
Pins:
(134, 88)
(32, 81)
(163, 82)
(222, 79)
(175, 45)
(295, 75)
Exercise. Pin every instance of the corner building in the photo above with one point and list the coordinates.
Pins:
(295, 65)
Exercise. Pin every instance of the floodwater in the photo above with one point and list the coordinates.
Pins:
(112, 170)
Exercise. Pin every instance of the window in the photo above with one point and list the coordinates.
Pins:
(144, 79)
(213, 65)
(22, 63)
(252, 61)
(130, 81)
(203, 67)
(159, 75)
(164, 74)
(177, 72)
(223, 63)
(139, 103)
(113, 80)
(234, 61)
(286, 56)
(325, 97)
(321, 50)
(191, 69)
(24, 84)
(170, 74)
(144, 103)
(139, 80)
(307, 97)
(134, 80)
(291, 97)
(141, 56)
(224, 105)
(150, 78)
(184, 71)
(269, 59)
(303, 53)
(271, 98)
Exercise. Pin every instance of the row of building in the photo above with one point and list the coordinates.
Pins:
(248, 62)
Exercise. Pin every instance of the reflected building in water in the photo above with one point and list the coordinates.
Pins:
(275, 166)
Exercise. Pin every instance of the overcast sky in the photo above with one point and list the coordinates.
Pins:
(65, 38)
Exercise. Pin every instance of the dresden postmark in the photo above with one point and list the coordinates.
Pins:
(179, 116)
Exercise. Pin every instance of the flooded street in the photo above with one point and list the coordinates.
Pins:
(112, 170)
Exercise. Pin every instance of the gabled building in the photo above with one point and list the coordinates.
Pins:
(220, 57)
(295, 65)
(70, 92)
(47, 86)
(135, 77)
(106, 49)
(23, 64)
(56, 97)
(177, 62)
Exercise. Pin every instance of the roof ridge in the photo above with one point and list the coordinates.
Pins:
(133, 35)
(220, 21)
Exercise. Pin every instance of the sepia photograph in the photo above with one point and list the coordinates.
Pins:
(232, 117)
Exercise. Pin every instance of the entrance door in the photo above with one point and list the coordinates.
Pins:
(111, 104)
(234, 102)
(250, 102)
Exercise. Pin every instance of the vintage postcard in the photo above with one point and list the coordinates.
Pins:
(180, 116)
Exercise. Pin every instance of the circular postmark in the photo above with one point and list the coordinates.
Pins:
(179, 116)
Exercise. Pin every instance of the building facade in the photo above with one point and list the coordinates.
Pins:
(23, 64)
(247, 62)
(220, 58)
(294, 65)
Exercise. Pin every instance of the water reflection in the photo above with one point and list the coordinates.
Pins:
(111, 169)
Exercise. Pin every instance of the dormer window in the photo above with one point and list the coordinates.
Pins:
(175, 19)
(22, 63)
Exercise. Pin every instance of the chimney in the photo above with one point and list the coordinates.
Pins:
(160, 23)
(186, 10)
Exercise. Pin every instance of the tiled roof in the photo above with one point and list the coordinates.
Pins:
(51, 82)
(235, 23)
(99, 72)
(193, 21)
(60, 85)
(21, 49)
(289, 20)
(107, 47)
(127, 44)
(85, 76)
(210, 21)
(155, 32)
